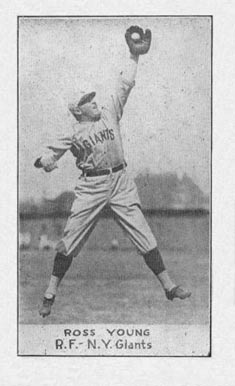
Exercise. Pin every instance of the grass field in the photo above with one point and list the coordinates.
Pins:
(115, 286)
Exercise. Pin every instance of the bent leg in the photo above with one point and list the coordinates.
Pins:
(84, 215)
(126, 206)
(133, 221)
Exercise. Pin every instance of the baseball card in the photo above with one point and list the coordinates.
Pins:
(117, 193)
(114, 124)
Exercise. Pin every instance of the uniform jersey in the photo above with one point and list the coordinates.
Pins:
(96, 143)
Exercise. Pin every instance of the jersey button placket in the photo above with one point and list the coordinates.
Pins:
(110, 178)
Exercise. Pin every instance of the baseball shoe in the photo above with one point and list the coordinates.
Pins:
(45, 310)
(177, 292)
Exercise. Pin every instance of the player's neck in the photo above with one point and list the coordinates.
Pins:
(85, 119)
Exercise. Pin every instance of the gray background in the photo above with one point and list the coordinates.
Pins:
(166, 125)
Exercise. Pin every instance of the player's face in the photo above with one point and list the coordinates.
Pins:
(90, 111)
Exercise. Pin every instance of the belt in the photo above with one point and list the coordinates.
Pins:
(103, 172)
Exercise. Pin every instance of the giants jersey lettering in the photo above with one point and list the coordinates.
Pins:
(96, 143)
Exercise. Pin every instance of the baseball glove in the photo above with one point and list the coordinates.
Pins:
(141, 45)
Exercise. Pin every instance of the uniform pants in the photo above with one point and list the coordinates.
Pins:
(117, 190)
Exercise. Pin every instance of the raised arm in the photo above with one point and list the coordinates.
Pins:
(139, 44)
(130, 69)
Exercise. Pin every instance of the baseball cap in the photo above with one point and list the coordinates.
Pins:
(81, 99)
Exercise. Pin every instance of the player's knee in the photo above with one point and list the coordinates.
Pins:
(60, 247)
(154, 261)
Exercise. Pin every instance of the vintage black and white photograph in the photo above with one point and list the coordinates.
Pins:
(114, 189)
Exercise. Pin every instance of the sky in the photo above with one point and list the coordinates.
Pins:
(166, 125)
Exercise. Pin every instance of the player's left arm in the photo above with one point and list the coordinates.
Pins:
(126, 80)
(124, 84)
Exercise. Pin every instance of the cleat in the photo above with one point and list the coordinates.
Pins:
(177, 292)
(45, 310)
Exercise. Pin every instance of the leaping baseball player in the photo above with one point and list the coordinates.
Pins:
(97, 147)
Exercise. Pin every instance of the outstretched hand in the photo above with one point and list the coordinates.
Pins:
(138, 44)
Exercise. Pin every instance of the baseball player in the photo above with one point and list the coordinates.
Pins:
(97, 147)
